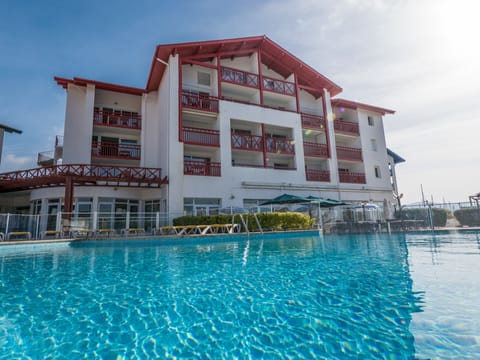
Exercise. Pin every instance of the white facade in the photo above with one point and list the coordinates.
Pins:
(226, 131)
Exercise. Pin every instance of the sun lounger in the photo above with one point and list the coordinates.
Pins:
(19, 235)
(133, 231)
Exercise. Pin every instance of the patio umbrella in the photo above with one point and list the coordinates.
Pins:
(287, 199)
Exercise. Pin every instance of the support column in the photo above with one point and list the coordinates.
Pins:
(180, 102)
(219, 78)
(67, 203)
(260, 76)
(296, 92)
(264, 140)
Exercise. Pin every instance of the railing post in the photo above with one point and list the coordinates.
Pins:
(7, 223)
(157, 220)
(95, 219)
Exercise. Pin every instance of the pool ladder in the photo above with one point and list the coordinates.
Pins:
(245, 224)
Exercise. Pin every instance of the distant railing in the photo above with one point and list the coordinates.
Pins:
(58, 140)
(115, 150)
(197, 136)
(199, 101)
(278, 86)
(276, 167)
(313, 121)
(280, 145)
(351, 177)
(117, 118)
(201, 168)
(239, 77)
(317, 175)
(347, 153)
(315, 149)
(247, 142)
(45, 157)
(347, 127)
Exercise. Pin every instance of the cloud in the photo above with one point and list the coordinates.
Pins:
(11, 162)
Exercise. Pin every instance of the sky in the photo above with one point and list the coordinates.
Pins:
(418, 57)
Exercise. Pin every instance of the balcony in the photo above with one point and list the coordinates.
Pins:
(201, 168)
(199, 101)
(349, 154)
(315, 150)
(278, 86)
(346, 127)
(239, 77)
(352, 178)
(280, 146)
(247, 142)
(119, 119)
(46, 158)
(313, 121)
(116, 151)
(197, 136)
(317, 175)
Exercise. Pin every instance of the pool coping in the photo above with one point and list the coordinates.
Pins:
(211, 236)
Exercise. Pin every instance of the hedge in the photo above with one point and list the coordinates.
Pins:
(468, 216)
(439, 216)
(268, 221)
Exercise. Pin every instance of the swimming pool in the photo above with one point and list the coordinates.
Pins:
(292, 296)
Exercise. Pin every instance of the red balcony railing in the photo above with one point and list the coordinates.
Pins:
(197, 136)
(315, 150)
(346, 127)
(317, 175)
(198, 101)
(278, 86)
(201, 168)
(353, 178)
(239, 77)
(313, 121)
(276, 167)
(280, 146)
(247, 142)
(347, 153)
(114, 150)
(114, 118)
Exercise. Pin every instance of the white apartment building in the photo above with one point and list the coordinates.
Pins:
(225, 123)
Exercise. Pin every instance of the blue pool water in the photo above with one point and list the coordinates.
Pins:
(273, 297)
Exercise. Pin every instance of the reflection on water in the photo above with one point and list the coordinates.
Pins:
(338, 297)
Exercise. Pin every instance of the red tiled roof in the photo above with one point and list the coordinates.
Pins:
(356, 105)
(273, 56)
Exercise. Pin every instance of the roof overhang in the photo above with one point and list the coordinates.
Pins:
(396, 158)
(273, 56)
(356, 105)
(10, 129)
(99, 85)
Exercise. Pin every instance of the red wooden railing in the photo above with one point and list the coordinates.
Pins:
(55, 175)
(115, 150)
(353, 178)
(201, 168)
(114, 118)
(313, 121)
(247, 142)
(278, 86)
(280, 145)
(347, 153)
(347, 127)
(197, 136)
(198, 101)
(317, 175)
(237, 164)
(315, 150)
(239, 77)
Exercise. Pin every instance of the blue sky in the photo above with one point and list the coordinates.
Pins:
(417, 57)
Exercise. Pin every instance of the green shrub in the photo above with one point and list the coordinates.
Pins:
(439, 216)
(268, 221)
(468, 216)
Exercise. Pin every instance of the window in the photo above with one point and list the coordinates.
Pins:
(371, 122)
(203, 78)
(374, 144)
(377, 172)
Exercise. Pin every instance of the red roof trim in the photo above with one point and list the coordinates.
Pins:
(356, 105)
(99, 85)
(277, 54)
